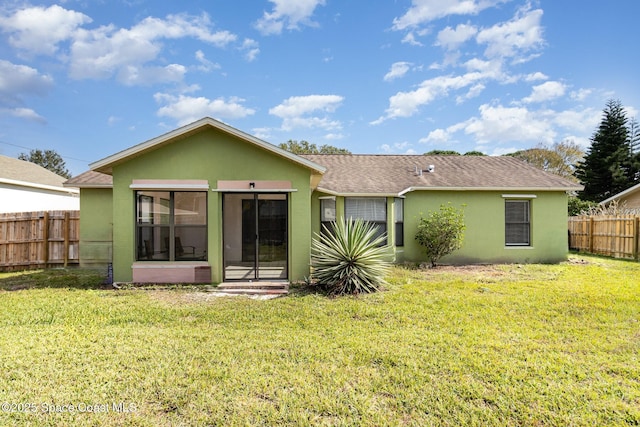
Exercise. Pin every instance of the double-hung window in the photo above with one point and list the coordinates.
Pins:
(517, 215)
(371, 209)
(171, 225)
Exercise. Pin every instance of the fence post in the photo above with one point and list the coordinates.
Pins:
(590, 236)
(636, 230)
(66, 238)
(45, 239)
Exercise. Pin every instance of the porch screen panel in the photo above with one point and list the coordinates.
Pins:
(171, 225)
(371, 209)
(152, 225)
(517, 223)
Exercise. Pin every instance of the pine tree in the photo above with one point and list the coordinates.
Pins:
(608, 167)
(48, 159)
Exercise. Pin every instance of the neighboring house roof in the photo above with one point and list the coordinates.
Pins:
(26, 174)
(90, 179)
(398, 174)
(628, 192)
(105, 165)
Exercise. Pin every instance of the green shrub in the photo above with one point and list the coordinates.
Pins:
(348, 258)
(441, 232)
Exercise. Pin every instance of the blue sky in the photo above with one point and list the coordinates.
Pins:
(88, 78)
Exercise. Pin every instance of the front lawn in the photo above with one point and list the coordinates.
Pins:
(501, 345)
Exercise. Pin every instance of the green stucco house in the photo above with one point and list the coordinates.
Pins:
(210, 203)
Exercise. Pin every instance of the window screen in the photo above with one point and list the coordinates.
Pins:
(517, 223)
(371, 209)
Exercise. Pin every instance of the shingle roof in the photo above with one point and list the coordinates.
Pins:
(394, 174)
(90, 179)
(21, 170)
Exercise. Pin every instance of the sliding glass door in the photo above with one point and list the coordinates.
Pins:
(255, 227)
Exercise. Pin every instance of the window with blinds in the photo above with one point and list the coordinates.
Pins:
(371, 209)
(517, 223)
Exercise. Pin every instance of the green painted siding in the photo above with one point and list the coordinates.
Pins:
(484, 218)
(211, 155)
(485, 234)
(96, 225)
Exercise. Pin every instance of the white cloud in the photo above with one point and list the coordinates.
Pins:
(24, 113)
(398, 69)
(250, 49)
(132, 75)
(17, 80)
(451, 38)
(580, 94)
(545, 92)
(500, 151)
(410, 39)
(289, 14)
(38, 30)
(334, 136)
(187, 109)
(107, 51)
(406, 104)
(425, 11)
(499, 124)
(205, 64)
(263, 133)
(403, 147)
(535, 77)
(299, 105)
(437, 136)
(473, 92)
(519, 35)
(577, 120)
(308, 112)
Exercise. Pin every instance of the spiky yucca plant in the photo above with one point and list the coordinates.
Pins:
(349, 258)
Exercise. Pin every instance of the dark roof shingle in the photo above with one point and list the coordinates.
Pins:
(393, 174)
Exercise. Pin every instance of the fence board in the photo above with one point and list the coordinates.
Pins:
(39, 239)
(611, 235)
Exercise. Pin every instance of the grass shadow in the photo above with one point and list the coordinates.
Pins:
(66, 278)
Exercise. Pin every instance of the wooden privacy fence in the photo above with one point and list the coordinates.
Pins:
(39, 239)
(611, 235)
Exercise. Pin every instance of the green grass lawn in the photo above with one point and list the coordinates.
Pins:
(502, 345)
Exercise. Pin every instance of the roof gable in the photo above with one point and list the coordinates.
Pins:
(106, 165)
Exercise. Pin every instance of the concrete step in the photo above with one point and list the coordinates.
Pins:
(252, 291)
(253, 285)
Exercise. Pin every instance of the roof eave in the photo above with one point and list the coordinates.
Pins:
(106, 165)
(530, 189)
(63, 189)
(621, 194)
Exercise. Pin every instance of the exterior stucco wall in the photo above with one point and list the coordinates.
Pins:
(96, 227)
(484, 240)
(484, 215)
(211, 155)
